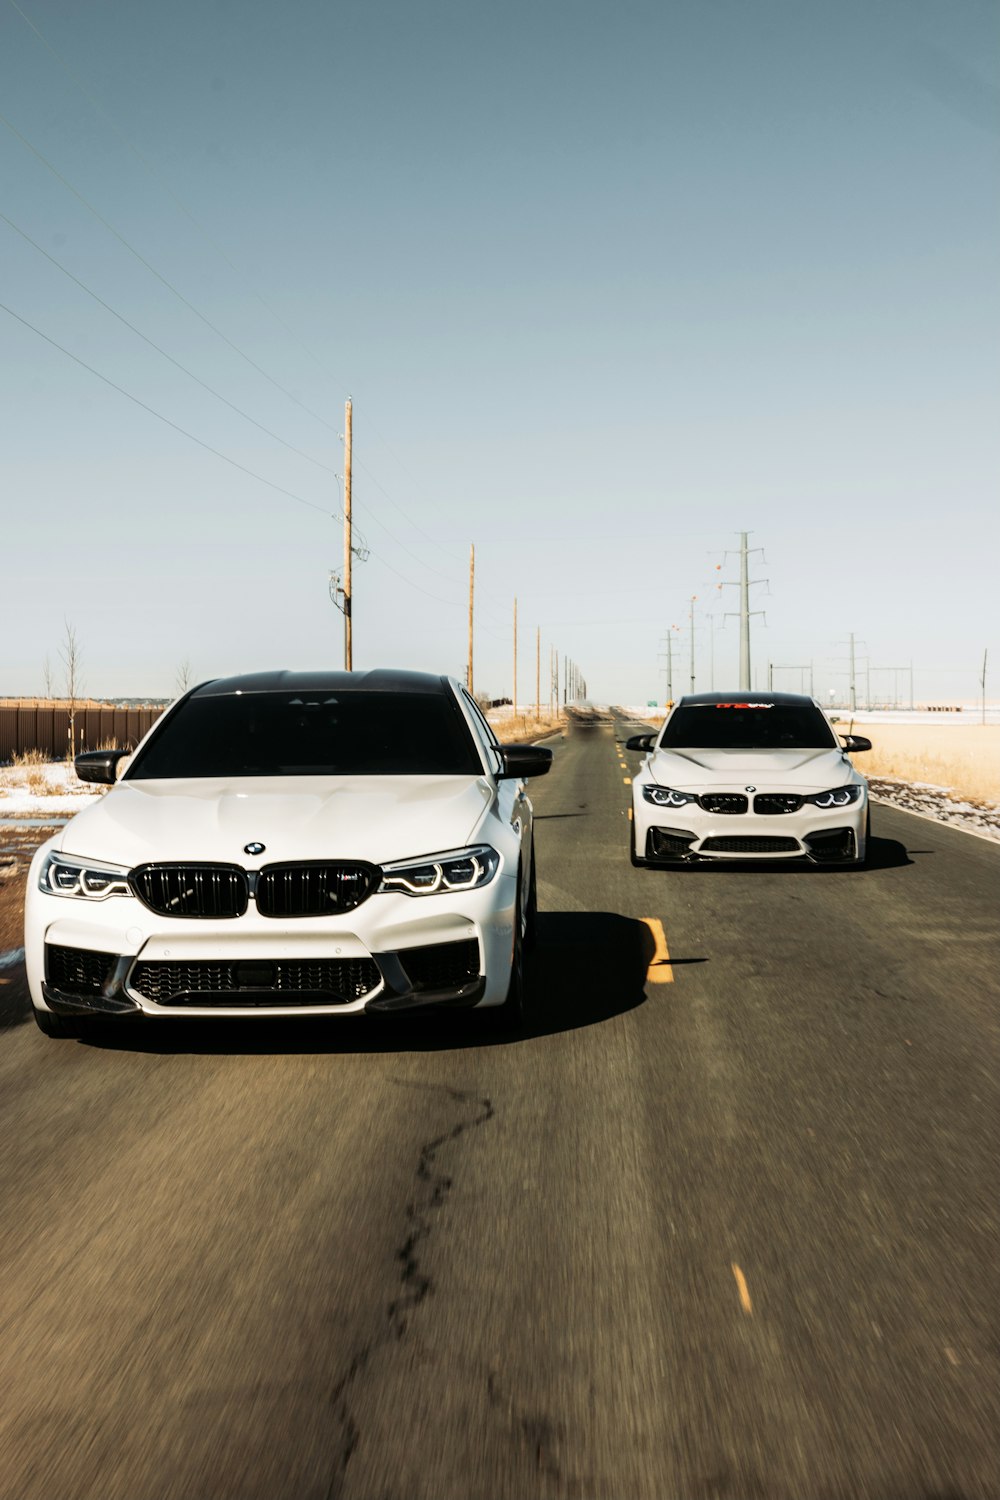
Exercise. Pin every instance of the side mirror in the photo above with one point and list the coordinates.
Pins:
(522, 761)
(99, 765)
(640, 742)
(855, 742)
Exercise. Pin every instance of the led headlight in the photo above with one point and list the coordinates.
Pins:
(841, 796)
(65, 875)
(455, 870)
(665, 796)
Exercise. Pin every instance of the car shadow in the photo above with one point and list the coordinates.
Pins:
(586, 968)
(883, 854)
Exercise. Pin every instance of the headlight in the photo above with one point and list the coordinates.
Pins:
(455, 870)
(63, 875)
(665, 796)
(841, 796)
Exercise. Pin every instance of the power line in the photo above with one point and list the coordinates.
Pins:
(153, 345)
(290, 494)
(159, 277)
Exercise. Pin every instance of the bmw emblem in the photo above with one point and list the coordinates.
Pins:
(748, 789)
(254, 848)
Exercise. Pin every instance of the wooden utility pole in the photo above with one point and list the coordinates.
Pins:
(472, 590)
(348, 632)
(538, 671)
(513, 701)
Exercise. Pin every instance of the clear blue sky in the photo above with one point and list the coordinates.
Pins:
(607, 285)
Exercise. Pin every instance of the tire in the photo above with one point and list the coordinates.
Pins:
(512, 1014)
(640, 864)
(52, 1025)
(861, 864)
(531, 911)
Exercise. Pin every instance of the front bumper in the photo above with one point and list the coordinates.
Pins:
(687, 834)
(393, 953)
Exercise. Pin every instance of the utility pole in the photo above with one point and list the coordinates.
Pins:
(513, 701)
(854, 693)
(982, 681)
(744, 585)
(472, 591)
(348, 622)
(554, 682)
(691, 623)
(538, 671)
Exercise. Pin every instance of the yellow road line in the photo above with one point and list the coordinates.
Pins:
(660, 970)
(741, 1283)
(630, 815)
(627, 780)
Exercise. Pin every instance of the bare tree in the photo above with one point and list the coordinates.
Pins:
(71, 659)
(183, 677)
(47, 676)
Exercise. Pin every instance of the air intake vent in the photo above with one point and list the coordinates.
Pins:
(77, 971)
(314, 889)
(441, 966)
(259, 983)
(191, 890)
(762, 845)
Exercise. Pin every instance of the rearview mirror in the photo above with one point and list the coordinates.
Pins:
(523, 761)
(99, 765)
(640, 742)
(854, 742)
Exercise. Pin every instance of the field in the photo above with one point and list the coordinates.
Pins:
(964, 759)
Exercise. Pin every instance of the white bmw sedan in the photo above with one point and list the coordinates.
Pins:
(748, 776)
(291, 844)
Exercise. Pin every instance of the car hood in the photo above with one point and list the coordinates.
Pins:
(805, 770)
(375, 818)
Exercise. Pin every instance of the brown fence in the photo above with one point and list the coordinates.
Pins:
(46, 727)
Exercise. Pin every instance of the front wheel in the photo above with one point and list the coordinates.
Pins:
(513, 1013)
(860, 864)
(640, 864)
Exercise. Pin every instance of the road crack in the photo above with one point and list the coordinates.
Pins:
(415, 1283)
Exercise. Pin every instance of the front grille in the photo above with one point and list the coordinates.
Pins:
(442, 966)
(263, 982)
(191, 890)
(775, 845)
(314, 890)
(776, 802)
(724, 802)
(77, 971)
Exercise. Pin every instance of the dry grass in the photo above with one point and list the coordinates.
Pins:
(964, 758)
(30, 758)
(522, 729)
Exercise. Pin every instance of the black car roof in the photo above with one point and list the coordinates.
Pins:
(745, 695)
(381, 680)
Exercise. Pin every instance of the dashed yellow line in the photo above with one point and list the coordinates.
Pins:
(630, 815)
(627, 780)
(744, 1290)
(660, 970)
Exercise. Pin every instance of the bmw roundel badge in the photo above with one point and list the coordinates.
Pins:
(750, 788)
(253, 848)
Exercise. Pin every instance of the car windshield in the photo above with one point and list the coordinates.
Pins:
(756, 724)
(310, 734)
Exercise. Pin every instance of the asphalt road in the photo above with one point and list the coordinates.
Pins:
(718, 1228)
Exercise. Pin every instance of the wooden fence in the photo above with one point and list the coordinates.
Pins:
(46, 727)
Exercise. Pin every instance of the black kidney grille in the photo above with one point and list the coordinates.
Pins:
(776, 802)
(314, 890)
(441, 966)
(724, 802)
(175, 890)
(256, 982)
(77, 971)
(759, 845)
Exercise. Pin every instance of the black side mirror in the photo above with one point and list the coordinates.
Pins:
(640, 742)
(855, 742)
(99, 765)
(523, 761)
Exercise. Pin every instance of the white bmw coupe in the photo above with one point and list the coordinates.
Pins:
(291, 844)
(748, 776)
